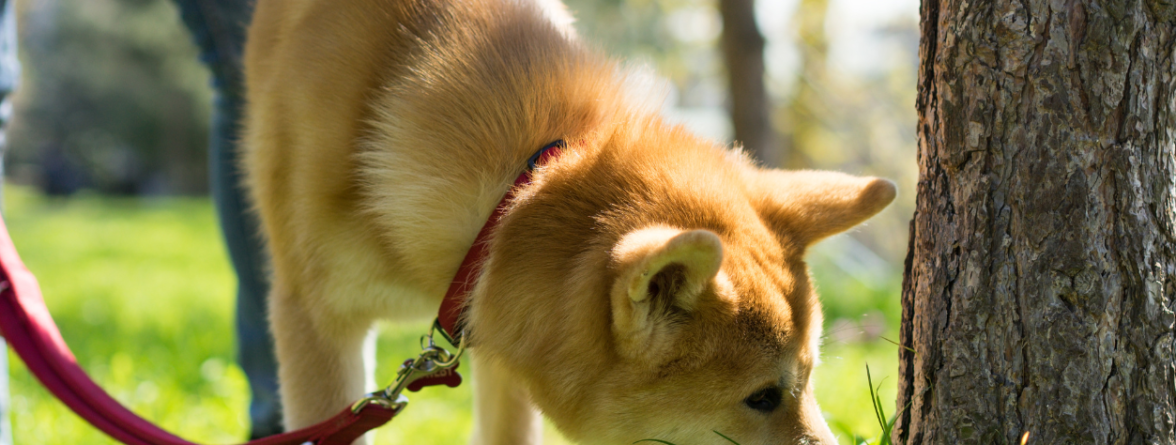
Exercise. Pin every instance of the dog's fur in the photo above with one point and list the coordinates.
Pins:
(643, 286)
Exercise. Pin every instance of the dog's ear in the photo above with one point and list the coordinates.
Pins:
(660, 274)
(807, 206)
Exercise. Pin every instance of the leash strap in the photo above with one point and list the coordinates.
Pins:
(449, 318)
(26, 324)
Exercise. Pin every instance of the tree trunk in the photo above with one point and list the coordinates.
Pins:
(1039, 287)
(743, 51)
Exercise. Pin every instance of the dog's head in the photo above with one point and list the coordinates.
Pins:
(676, 314)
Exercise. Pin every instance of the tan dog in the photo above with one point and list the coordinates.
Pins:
(648, 284)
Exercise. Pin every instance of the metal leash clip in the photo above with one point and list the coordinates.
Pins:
(435, 365)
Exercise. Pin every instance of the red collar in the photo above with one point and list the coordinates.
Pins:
(450, 317)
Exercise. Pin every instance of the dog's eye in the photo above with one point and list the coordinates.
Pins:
(765, 400)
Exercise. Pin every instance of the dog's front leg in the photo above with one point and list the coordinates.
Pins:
(503, 413)
(321, 369)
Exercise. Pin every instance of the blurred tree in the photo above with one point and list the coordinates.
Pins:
(623, 27)
(805, 113)
(743, 51)
(1040, 287)
(114, 98)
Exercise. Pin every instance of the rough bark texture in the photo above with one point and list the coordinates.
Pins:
(1040, 285)
(743, 51)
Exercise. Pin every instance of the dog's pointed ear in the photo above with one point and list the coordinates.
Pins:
(660, 274)
(807, 206)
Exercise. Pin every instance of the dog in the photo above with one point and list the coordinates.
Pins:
(648, 284)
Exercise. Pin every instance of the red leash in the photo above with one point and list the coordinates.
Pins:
(30, 330)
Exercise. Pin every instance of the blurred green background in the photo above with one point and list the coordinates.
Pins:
(106, 182)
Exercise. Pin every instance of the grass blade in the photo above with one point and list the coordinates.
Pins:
(725, 437)
(879, 412)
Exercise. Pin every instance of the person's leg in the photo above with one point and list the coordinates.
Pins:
(218, 27)
(9, 72)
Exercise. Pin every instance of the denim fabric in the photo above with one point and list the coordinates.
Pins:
(9, 75)
(219, 28)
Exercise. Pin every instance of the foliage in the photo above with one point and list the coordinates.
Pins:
(113, 97)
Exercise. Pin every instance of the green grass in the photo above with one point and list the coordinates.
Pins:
(845, 393)
(143, 294)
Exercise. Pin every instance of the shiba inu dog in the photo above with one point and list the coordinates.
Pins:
(648, 284)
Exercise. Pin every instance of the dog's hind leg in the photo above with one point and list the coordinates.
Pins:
(503, 413)
(321, 366)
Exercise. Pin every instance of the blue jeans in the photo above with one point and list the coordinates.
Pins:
(219, 27)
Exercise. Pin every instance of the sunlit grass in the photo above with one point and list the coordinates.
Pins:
(143, 294)
(844, 392)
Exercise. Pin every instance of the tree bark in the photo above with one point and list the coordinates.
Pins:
(743, 51)
(1039, 287)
